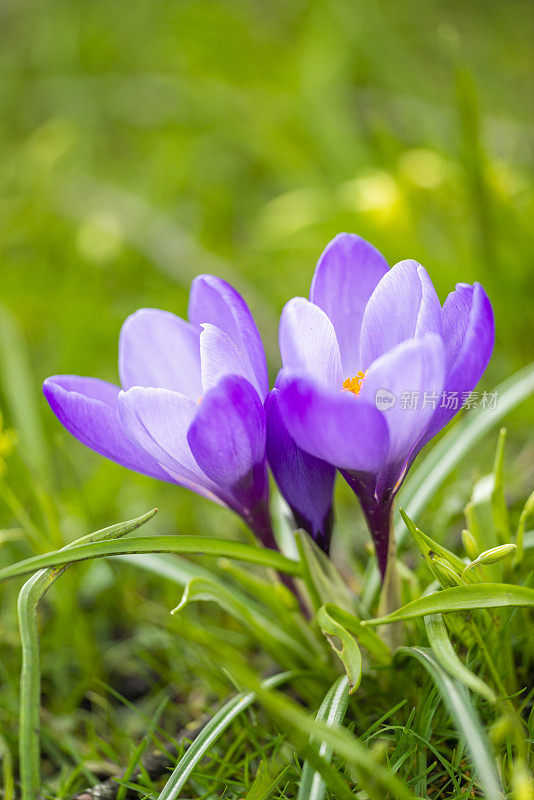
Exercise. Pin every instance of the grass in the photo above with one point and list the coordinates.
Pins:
(142, 145)
(432, 738)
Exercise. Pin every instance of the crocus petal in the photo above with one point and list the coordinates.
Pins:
(408, 371)
(227, 435)
(468, 331)
(469, 336)
(403, 305)
(158, 420)
(213, 300)
(306, 482)
(346, 275)
(87, 407)
(308, 342)
(160, 350)
(333, 425)
(220, 356)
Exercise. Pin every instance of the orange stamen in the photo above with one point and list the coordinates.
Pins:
(354, 385)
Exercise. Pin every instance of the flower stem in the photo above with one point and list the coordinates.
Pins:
(377, 515)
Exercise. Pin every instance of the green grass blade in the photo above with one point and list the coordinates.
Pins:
(211, 732)
(332, 712)
(376, 647)
(428, 547)
(347, 746)
(176, 569)
(20, 391)
(445, 654)
(348, 653)
(266, 780)
(267, 629)
(30, 677)
(300, 726)
(521, 538)
(30, 682)
(200, 545)
(466, 720)
(8, 780)
(461, 598)
(323, 581)
(426, 479)
(501, 519)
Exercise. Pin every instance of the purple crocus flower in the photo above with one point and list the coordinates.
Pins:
(191, 406)
(367, 361)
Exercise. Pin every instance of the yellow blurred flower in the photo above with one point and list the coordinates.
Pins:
(376, 193)
(424, 168)
(8, 441)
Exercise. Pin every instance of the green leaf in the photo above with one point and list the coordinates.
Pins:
(283, 524)
(470, 544)
(20, 391)
(176, 569)
(445, 654)
(426, 479)
(299, 726)
(30, 677)
(479, 514)
(348, 653)
(430, 548)
(461, 598)
(201, 545)
(501, 519)
(322, 579)
(332, 712)
(8, 780)
(528, 509)
(272, 594)
(211, 732)
(266, 780)
(368, 768)
(465, 718)
(376, 647)
(267, 630)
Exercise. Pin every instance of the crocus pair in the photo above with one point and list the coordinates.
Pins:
(195, 407)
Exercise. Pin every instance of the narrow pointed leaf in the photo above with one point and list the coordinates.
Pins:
(332, 712)
(366, 637)
(327, 585)
(348, 653)
(466, 720)
(437, 465)
(428, 546)
(445, 654)
(461, 598)
(200, 545)
(267, 630)
(211, 732)
(501, 519)
(19, 388)
(520, 535)
(30, 677)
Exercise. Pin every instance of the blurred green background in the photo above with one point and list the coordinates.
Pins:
(145, 142)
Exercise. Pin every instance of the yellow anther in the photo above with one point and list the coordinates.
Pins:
(354, 385)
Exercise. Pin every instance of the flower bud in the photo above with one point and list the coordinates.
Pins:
(496, 553)
(491, 556)
(470, 545)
